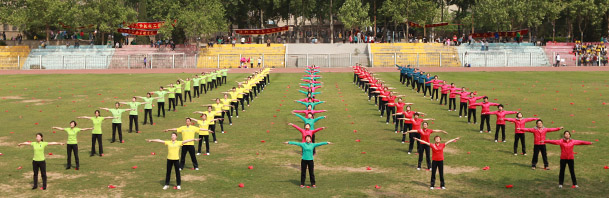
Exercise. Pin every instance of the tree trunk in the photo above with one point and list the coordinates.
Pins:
(374, 20)
(331, 24)
(553, 30)
(47, 30)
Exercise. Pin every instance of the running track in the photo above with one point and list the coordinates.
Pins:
(298, 70)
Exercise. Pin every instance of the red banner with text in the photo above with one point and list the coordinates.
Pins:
(138, 32)
(262, 31)
(146, 25)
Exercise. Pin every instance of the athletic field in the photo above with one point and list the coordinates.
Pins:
(35, 103)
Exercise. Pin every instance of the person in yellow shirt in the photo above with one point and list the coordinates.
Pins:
(228, 107)
(212, 124)
(173, 148)
(39, 163)
(234, 101)
(188, 132)
(219, 112)
(72, 142)
(204, 134)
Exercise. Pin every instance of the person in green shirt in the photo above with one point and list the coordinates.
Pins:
(224, 74)
(307, 159)
(72, 142)
(133, 114)
(161, 101)
(179, 93)
(173, 148)
(188, 132)
(210, 81)
(196, 81)
(309, 119)
(148, 107)
(187, 89)
(39, 163)
(96, 134)
(218, 78)
(171, 96)
(117, 121)
(203, 88)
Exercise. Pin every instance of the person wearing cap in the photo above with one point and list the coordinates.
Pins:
(39, 163)
(437, 149)
(307, 159)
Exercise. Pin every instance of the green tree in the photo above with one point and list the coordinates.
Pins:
(353, 14)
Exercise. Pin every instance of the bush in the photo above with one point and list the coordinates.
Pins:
(2, 43)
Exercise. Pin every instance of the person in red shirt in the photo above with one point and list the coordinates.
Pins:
(484, 117)
(471, 108)
(540, 135)
(500, 124)
(390, 106)
(519, 122)
(438, 158)
(399, 113)
(408, 114)
(436, 86)
(386, 91)
(424, 132)
(452, 104)
(463, 101)
(566, 156)
(445, 88)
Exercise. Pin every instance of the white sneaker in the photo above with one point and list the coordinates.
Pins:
(165, 187)
(179, 188)
(460, 116)
(237, 116)
(481, 132)
(430, 169)
(466, 116)
(231, 123)
(430, 188)
(222, 131)
(408, 153)
(387, 123)
(559, 186)
(515, 153)
(403, 143)
(180, 169)
(495, 141)
(504, 141)
(196, 168)
(215, 142)
(443, 188)
(449, 110)
(207, 154)
(576, 186)
(418, 168)
(198, 153)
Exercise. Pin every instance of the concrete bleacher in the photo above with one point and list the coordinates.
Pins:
(327, 55)
(228, 56)
(13, 57)
(503, 54)
(62, 57)
(416, 54)
(132, 56)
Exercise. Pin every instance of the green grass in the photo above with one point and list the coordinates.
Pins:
(340, 168)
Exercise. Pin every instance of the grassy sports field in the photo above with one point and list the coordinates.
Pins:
(35, 103)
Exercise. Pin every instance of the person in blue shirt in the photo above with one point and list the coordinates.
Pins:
(409, 72)
(402, 73)
(427, 78)
(421, 81)
(307, 159)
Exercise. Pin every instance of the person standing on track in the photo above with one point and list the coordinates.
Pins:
(444, 89)
(307, 131)
(39, 163)
(427, 86)
(438, 159)
(519, 122)
(483, 116)
(96, 134)
(539, 133)
(148, 107)
(566, 156)
(117, 121)
(500, 124)
(72, 143)
(390, 106)
(424, 132)
(212, 122)
(173, 148)
(307, 159)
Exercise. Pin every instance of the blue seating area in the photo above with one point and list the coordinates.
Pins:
(503, 54)
(61, 57)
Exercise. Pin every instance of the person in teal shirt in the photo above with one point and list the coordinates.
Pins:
(161, 101)
(133, 114)
(39, 163)
(309, 119)
(148, 107)
(427, 78)
(307, 93)
(187, 89)
(96, 134)
(117, 121)
(310, 102)
(72, 142)
(171, 96)
(307, 159)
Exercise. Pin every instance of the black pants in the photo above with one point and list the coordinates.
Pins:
(472, 113)
(148, 114)
(203, 88)
(221, 124)
(411, 137)
(536, 150)
(117, 127)
(419, 87)
(98, 138)
(179, 99)
(206, 139)
(172, 102)
(354, 77)
(173, 164)
(196, 93)
(224, 77)
(399, 122)
(72, 148)
(303, 171)
(42, 166)
(132, 120)
(452, 103)
(191, 150)
(228, 114)
(390, 112)
(241, 100)
(442, 98)
(561, 174)
(502, 127)
(407, 127)
(247, 98)
(519, 136)
(462, 108)
(161, 106)
(402, 78)
(408, 80)
(434, 94)
(425, 148)
(234, 107)
(439, 165)
(427, 89)
(413, 82)
(189, 97)
(212, 127)
(485, 118)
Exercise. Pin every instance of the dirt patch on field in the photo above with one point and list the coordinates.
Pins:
(585, 133)
(451, 150)
(4, 142)
(37, 102)
(55, 156)
(193, 178)
(459, 169)
(11, 98)
(338, 169)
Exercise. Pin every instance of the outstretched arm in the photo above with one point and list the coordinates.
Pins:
(422, 141)
(441, 131)
(83, 117)
(174, 129)
(86, 129)
(156, 140)
(58, 128)
(189, 140)
(451, 141)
